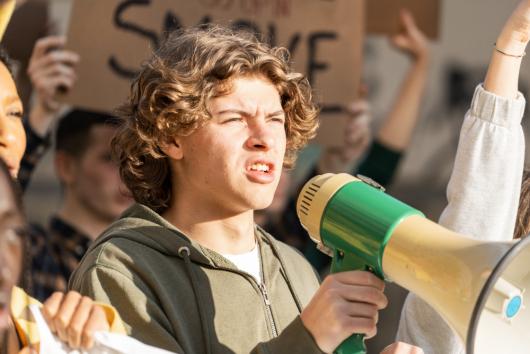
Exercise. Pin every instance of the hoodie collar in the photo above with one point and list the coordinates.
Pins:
(155, 231)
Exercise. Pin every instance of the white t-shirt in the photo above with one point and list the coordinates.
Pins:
(247, 262)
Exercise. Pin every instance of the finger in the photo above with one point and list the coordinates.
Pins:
(65, 313)
(359, 277)
(45, 82)
(358, 107)
(28, 350)
(411, 27)
(54, 70)
(96, 322)
(407, 20)
(65, 57)
(361, 325)
(400, 41)
(43, 45)
(401, 348)
(371, 334)
(361, 310)
(50, 309)
(78, 321)
(361, 295)
(47, 90)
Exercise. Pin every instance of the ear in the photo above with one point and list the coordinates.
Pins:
(65, 167)
(173, 149)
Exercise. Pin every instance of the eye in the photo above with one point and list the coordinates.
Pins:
(16, 113)
(278, 119)
(233, 119)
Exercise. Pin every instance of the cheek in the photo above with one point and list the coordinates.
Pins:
(17, 138)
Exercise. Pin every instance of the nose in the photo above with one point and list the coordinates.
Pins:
(261, 136)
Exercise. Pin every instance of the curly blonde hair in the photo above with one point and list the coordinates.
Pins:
(169, 97)
(522, 224)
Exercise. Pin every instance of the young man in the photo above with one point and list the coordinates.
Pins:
(93, 195)
(211, 121)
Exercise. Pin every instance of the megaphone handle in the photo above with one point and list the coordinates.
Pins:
(354, 344)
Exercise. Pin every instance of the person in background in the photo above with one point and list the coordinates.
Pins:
(490, 157)
(73, 317)
(93, 194)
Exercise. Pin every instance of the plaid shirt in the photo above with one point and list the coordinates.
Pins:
(36, 147)
(53, 252)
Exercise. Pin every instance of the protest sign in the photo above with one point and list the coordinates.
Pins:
(382, 16)
(324, 37)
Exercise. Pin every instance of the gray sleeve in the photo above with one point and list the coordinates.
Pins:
(483, 195)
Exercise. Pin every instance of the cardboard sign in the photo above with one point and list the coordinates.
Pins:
(28, 24)
(324, 37)
(382, 16)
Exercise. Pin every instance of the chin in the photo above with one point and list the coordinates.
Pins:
(261, 204)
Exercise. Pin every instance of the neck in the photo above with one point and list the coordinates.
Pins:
(223, 233)
(82, 218)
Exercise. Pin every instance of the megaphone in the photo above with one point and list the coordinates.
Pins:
(478, 287)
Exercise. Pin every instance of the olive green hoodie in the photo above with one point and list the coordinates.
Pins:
(175, 294)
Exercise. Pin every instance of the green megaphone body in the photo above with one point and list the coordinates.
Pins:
(353, 242)
(464, 279)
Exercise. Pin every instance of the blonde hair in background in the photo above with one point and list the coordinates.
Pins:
(522, 225)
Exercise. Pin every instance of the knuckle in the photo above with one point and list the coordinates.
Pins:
(86, 300)
(87, 333)
(61, 321)
(74, 330)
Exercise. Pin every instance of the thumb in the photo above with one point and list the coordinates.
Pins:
(400, 41)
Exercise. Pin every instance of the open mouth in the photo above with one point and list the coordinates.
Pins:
(260, 167)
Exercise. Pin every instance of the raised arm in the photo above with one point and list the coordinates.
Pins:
(51, 70)
(484, 188)
(397, 128)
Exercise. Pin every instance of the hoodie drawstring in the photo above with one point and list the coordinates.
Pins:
(184, 253)
(289, 285)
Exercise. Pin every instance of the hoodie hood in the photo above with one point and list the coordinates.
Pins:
(145, 226)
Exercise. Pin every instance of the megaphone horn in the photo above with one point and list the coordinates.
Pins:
(478, 287)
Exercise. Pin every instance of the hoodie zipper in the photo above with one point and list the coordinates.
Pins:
(267, 301)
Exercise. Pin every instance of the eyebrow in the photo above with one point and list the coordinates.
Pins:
(12, 99)
(247, 114)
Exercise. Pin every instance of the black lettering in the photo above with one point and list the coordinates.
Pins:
(293, 43)
(313, 65)
(247, 26)
(131, 27)
(171, 23)
(272, 35)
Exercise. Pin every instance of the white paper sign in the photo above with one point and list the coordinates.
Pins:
(104, 342)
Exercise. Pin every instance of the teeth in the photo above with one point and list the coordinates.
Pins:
(260, 167)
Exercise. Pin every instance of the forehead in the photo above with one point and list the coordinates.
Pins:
(248, 93)
(101, 134)
(8, 90)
